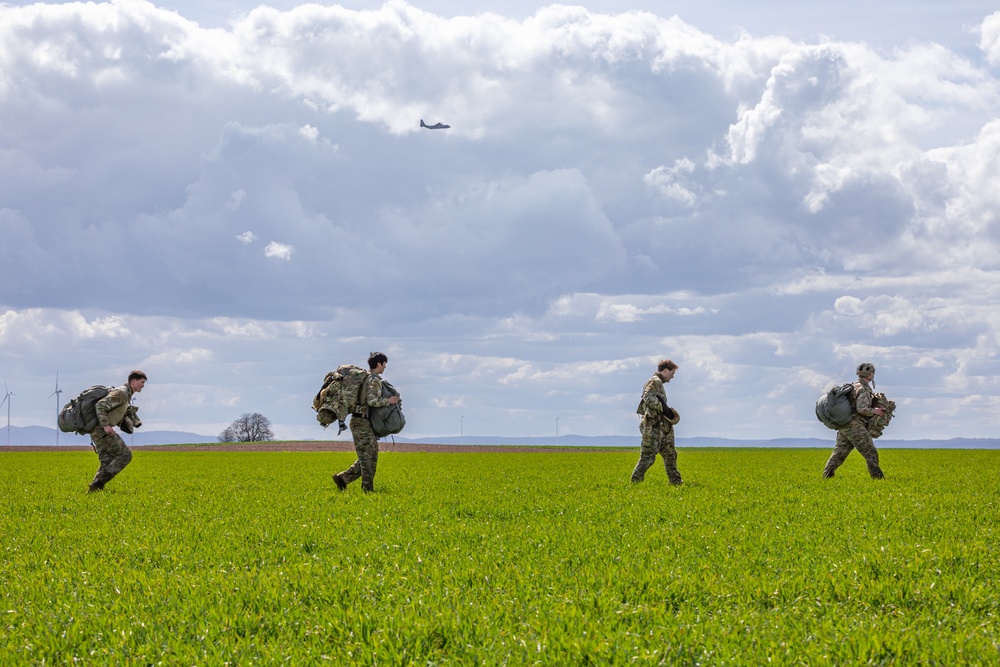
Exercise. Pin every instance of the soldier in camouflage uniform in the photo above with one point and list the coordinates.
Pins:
(365, 441)
(113, 410)
(657, 425)
(855, 435)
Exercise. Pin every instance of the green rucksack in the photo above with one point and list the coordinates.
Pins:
(387, 420)
(344, 391)
(836, 407)
(80, 414)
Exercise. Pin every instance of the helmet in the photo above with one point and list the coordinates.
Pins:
(866, 369)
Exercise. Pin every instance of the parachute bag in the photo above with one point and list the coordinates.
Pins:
(324, 415)
(387, 420)
(131, 420)
(834, 408)
(877, 424)
(80, 414)
(341, 394)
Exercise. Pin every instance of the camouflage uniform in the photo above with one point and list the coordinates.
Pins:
(855, 434)
(365, 441)
(112, 451)
(657, 433)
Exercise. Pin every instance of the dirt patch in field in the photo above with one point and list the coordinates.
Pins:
(317, 446)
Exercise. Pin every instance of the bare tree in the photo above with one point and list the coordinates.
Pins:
(250, 427)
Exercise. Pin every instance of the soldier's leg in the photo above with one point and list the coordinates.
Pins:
(114, 455)
(840, 452)
(866, 447)
(367, 447)
(669, 453)
(121, 457)
(104, 459)
(647, 454)
(369, 462)
(354, 472)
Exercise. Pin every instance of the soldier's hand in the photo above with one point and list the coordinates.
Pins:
(109, 429)
(393, 400)
(879, 411)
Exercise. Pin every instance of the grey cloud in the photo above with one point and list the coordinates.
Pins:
(613, 187)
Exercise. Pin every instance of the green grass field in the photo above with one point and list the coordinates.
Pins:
(549, 558)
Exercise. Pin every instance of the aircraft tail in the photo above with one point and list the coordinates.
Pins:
(422, 123)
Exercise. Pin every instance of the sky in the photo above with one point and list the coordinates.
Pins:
(236, 199)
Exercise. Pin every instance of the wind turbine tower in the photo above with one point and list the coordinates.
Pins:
(6, 399)
(56, 394)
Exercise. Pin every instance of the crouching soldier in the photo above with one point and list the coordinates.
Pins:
(115, 409)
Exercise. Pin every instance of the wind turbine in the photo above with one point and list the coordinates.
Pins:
(56, 394)
(6, 399)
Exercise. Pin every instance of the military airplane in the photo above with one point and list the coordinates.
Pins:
(435, 126)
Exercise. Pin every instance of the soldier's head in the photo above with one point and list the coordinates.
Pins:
(666, 369)
(136, 380)
(377, 358)
(866, 371)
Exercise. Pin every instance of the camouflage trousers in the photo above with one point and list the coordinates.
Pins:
(113, 453)
(657, 438)
(854, 436)
(366, 445)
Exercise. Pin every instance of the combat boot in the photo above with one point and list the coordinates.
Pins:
(98, 483)
(368, 487)
(339, 481)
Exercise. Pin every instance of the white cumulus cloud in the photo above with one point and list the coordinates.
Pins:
(615, 188)
(279, 250)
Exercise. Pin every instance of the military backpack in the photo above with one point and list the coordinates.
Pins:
(387, 420)
(80, 414)
(344, 391)
(836, 407)
(877, 424)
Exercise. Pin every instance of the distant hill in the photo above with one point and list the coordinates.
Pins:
(44, 435)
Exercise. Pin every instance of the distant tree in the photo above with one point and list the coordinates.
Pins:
(250, 427)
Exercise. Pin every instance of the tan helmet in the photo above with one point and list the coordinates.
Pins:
(866, 368)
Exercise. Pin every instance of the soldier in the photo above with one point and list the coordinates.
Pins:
(115, 409)
(657, 425)
(365, 441)
(855, 434)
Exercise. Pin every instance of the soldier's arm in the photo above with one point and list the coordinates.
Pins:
(651, 399)
(107, 404)
(375, 398)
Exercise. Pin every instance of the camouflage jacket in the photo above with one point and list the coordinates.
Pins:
(862, 399)
(112, 408)
(373, 396)
(654, 397)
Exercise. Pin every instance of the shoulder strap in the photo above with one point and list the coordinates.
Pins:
(363, 396)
